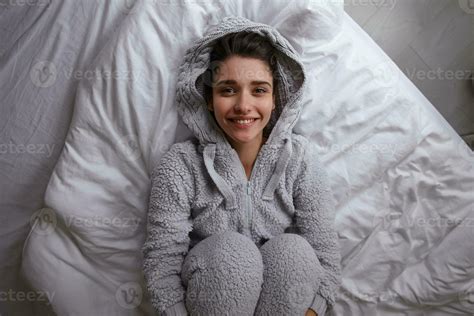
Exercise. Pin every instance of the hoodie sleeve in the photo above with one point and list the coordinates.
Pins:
(314, 220)
(167, 242)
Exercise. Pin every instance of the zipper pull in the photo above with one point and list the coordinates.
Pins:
(248, 187)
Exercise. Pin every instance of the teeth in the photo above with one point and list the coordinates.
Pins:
(244, 121)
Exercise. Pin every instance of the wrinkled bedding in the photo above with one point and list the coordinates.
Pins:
(46, 48)
(401, 176)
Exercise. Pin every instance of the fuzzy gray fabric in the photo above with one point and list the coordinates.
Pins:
(278, 279)
(199, 187)
(230, 263)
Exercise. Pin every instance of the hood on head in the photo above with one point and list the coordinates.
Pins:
(192, 106)
(190, 99)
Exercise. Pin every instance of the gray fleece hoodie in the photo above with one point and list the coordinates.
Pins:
(199, 187)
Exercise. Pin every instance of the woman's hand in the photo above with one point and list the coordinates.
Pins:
(310, 312)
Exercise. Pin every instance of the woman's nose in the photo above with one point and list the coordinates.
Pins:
(243, 102)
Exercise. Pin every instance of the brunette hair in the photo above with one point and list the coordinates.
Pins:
(244, 44)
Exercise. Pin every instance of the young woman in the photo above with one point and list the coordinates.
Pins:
(241, 218)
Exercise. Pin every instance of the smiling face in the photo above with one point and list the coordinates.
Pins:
(242, 99)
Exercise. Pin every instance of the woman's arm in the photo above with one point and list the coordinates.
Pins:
(167, 240)
(314, 219)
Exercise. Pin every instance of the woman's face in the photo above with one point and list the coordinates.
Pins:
(242, 90)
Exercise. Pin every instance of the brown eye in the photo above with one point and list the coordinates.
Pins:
(228, 90)
(260, 90)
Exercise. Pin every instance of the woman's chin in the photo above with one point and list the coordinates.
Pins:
(243, 139)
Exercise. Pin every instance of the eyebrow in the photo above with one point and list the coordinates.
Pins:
(254, 82)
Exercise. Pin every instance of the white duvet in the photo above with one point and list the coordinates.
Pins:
(401, 176)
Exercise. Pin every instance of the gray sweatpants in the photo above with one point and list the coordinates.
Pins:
(227, 274)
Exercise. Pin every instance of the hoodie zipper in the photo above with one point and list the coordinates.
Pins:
(249, 206)
(248, 195)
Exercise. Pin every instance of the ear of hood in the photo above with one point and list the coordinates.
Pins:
(191, 104)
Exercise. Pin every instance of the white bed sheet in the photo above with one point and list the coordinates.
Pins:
(403, 180)
(400, 174)
(35, 114)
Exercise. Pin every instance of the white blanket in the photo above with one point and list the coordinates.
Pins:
(45, 49)
(400, 174)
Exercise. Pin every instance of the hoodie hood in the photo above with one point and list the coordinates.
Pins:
(192, 107)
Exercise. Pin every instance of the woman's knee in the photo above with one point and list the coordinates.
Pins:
(229, 251)
(290, 248)
(291, 274)
(223, 274)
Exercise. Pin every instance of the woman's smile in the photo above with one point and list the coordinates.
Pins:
(243, 124)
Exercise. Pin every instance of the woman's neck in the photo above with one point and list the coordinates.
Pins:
(248, 153)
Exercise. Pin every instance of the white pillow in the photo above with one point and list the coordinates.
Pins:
(85, 246)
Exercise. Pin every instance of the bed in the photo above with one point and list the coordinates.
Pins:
(36, 111)
(401, 176)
